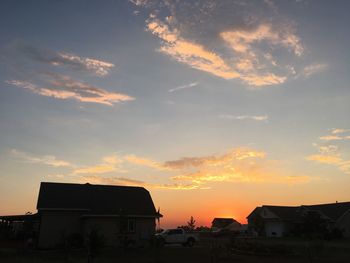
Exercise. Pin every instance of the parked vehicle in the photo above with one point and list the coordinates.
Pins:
(177, 236)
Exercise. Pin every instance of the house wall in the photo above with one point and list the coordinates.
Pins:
(266, 213)
(55, 225)
(275, 229)
(145, 228)
(344, 224)
(110, 229)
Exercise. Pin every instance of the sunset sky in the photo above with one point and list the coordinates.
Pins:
(215, 107)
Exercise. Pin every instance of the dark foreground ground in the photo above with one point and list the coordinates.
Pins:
(333, 252)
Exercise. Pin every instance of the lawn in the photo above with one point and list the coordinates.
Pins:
(210, 252)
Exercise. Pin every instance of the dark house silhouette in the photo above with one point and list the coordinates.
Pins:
(277, 221)
(115, 212)
(220, 223)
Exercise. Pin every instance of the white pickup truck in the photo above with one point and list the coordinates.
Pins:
(177, 236)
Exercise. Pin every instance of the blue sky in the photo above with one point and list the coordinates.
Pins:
(242, 101)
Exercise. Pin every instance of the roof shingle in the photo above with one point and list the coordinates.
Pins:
(96, 199)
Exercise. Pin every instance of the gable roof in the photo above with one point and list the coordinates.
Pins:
(254, 212)
(222, 222)
(284, 212)
(291, 213)
(334, 211)
(96, 199)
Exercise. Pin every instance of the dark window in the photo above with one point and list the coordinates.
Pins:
(175, 232)
(171, 232)
(131, 225)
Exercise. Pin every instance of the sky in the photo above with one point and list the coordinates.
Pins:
(215, 107)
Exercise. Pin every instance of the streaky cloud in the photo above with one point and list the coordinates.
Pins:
(244, 117)
(187, 86)
(132, 182)
(331, 154)
(63, 87)
(314, 69)
(66, 59)
(110, 163)
(239, 45)
(49, 160)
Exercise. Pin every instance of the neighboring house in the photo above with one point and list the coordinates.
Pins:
(278, 221)
(219, 223)
(235, 227)
(19, 226)
(272, 221)
(117, 213)
(222, 223)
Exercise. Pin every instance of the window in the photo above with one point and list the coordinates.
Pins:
(131, 225)
(127, 225)
(175, 232)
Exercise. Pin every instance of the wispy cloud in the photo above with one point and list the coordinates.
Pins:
(338, 130)
(213, 160)
(244, 48)
(73, 61)
(56, 176)
(133, 182)
(187, 86)
(331, 154)
(330, 138)
(299, 179)
(136, 160)
(63, 87)
(241, 41)
(336, 134)
(238, 165)
(314, 69)
(187, 173)
(232, 166)
(244, 117)
(190, 53)
(332, 159)
(49, 160)
(110, 163)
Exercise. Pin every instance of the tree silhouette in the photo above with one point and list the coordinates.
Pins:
(191, 224)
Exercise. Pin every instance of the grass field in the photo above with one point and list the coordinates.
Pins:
(337, 252)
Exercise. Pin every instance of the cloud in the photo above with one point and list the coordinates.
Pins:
(190, 53)
(323, 158)
(236, 165)
(264, 80)
(49, 160)
(244, 117)
(337, 131)
(213, 160)
(110, 163)
(63, 87)
(240, 165)
(56, 176)
(187, 86)
(337, 134)
(241, 41)
(133, 159)
(133, 182)
(112, 180)
(228, 39)
(299, 179)
(332, 159)
(314, 69)
(330, 138)
(98, 67)
(191, 173)
(331, 154)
